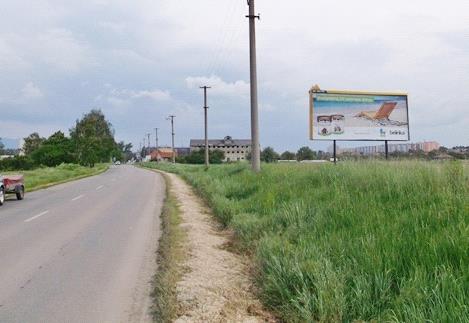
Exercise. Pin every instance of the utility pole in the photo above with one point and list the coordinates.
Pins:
(156, 142)
(255, 152)
(172, 136)
(149, 146)
(207, 159)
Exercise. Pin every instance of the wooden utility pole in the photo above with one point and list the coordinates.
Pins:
(255, 152)
(207, 158)
(172, 137)
(156, 143)
(149, 145)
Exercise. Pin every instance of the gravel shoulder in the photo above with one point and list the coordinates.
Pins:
(215, 286)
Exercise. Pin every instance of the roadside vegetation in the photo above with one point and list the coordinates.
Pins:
(371, 241)
(171, 254)
(47, 176)
(90, 141)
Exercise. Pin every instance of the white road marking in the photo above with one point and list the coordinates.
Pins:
(78, 197)
(99, 187)
(36, 216)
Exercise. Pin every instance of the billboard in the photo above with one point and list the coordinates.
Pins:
(346, 115)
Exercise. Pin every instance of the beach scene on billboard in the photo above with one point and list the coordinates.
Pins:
(359, 117)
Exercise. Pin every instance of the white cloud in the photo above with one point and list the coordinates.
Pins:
(145, 49)
(125, 98)
(60, 49)
(31, 91)
(267, 107)
(9, 58)
(21, 129)
(219, 86)
(155, 95)
(113, 26)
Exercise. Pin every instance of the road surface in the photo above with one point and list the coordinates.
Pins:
(83, 251)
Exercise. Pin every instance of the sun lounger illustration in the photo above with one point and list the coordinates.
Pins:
(382, 114)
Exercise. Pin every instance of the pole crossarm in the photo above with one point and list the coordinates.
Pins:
(258, 16)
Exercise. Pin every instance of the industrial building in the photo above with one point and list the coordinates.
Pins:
(234, 149)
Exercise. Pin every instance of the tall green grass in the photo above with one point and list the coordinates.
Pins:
(46, 176)
(357, 241)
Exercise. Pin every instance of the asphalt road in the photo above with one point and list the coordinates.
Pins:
(83, 251)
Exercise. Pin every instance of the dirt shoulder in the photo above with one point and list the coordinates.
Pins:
(215, 285)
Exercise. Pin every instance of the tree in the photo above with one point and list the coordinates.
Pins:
(2, 147)
(198, 157)
(125, 151)
(322, 155)
(57, 149)
(305, 153)
(443, 150)
(287, 155)
(32, 143)
(216, 156)
(93, 139)
(268, 155)
(433, 154)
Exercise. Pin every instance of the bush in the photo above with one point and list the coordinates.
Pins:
(17, 163)
(198, 157)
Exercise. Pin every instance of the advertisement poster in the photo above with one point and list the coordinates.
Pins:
(337, 115)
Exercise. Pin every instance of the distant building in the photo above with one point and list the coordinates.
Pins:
(425, 146)
(234, 149)
(182, 151)
(163, 154)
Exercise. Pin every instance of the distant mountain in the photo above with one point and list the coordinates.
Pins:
(11, 143)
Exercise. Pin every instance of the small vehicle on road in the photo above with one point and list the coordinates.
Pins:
(11, 184)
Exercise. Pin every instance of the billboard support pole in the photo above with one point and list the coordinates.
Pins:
(335, 152)
(386, 149)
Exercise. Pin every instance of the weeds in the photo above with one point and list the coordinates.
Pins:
(357, 241)
(169, 258)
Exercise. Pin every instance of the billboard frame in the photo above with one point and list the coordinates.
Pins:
(349, 92)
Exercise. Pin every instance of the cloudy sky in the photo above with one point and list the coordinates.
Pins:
(140, 61)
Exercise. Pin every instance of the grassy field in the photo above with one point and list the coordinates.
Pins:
(43, 177)
(357, 241)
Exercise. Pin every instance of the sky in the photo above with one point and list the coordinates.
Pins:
(140, 61)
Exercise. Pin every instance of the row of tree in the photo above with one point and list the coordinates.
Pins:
(91, 141)
(269, 155)
(198, 157)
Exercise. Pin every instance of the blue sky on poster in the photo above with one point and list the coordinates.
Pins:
(140, 61)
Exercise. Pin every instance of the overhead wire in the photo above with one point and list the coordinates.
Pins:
(224, 40)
